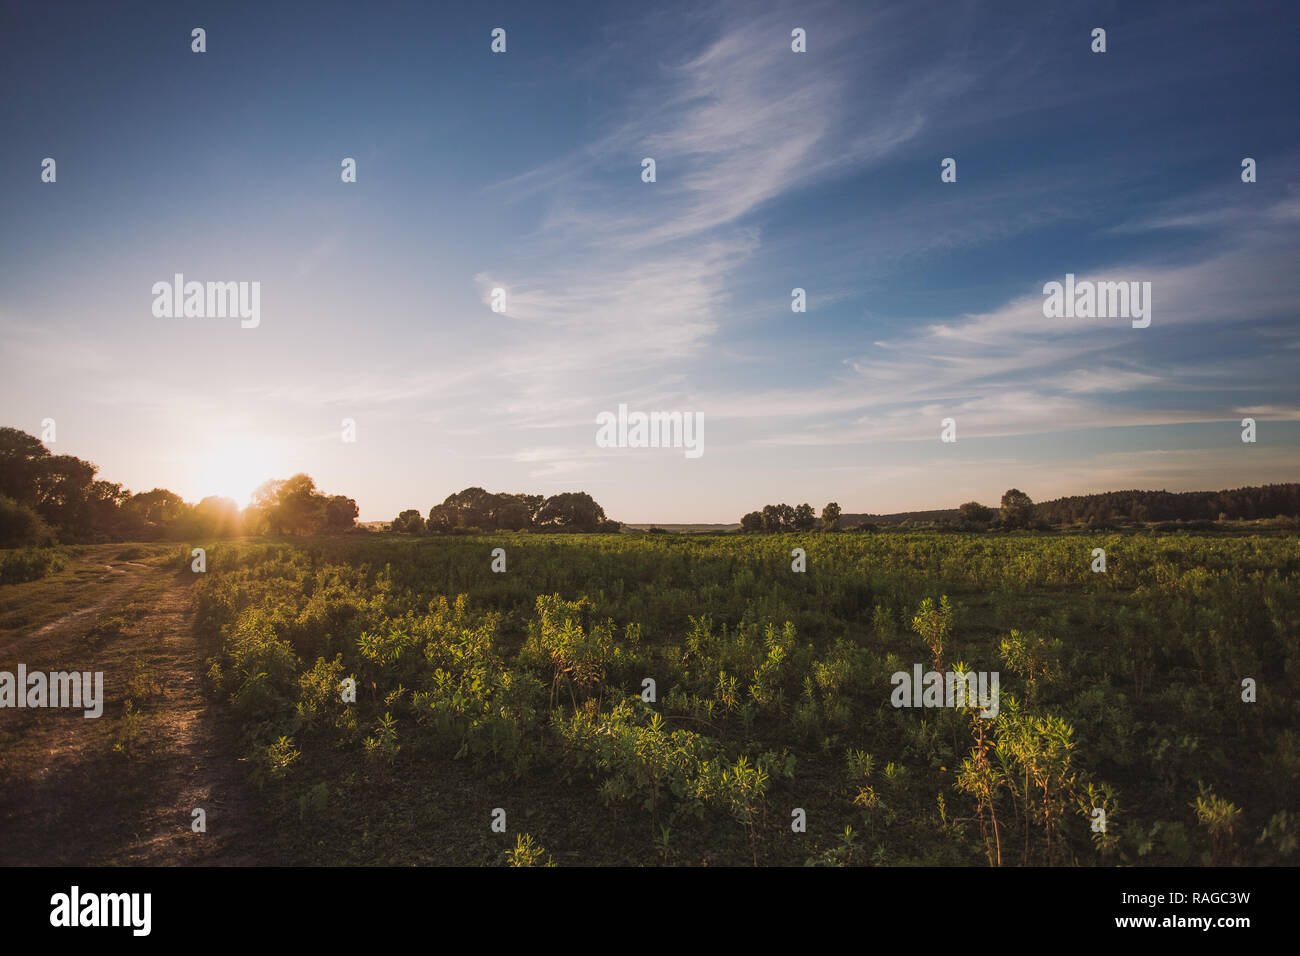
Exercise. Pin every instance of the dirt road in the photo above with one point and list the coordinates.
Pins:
(121, 788)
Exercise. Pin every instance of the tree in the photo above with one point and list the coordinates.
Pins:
(441, 519)
(22, 459)
(975, 515)
(262, 516)
(217, 516)
(752, 521)
(472, 508)
(20, 525)
(534, 503)
(155, 514)
(341, 513)
(771, 518)
(104, 500)
(477, 509)
(62, 491)
(803, 517)
(1017, 509)
(512, 513)
(571, 511)
(831, 517)
(301, 506)
(294, 506)
(408, 522)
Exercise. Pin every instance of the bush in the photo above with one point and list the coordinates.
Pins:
(20, 525)
(262, 669)
(29, 564)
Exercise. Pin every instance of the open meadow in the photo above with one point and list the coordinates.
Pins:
(640, 699)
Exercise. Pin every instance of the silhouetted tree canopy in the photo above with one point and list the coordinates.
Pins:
(1017, 509)
(43, 494)
(782, 517)
(409, 521)
(20, 525)
(341, 513)
(294, 506)
(975, 515)
(805, 519)
(475, 509)
(831, 517)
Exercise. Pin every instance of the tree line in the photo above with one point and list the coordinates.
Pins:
(1130, 507)
(782, 517)
(475, 509)
(1236, 504)
(1017, 510)
(46, 498)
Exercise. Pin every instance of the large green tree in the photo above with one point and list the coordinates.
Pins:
(1017, 509)
(341, 513)
(805, 518)
(571, 511)
(155, 514)
(22, 461)
(409, 521)
(972, 514)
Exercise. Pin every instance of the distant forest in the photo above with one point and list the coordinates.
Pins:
(1113, 508)
(1017, 510)
(47, 498)
(1236, 504)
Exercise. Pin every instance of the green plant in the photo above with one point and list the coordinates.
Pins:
(1220, 818)
(272, 762)
(933, 625)
(527, 852)
(384, 742)
(842, 855)
(126, 740)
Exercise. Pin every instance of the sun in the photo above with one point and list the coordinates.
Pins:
(232, 471)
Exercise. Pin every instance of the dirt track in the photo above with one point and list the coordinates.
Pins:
(80, 791)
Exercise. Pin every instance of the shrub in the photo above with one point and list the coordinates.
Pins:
(20, 525)
(29, 564)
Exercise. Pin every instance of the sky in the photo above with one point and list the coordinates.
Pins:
(774, 170)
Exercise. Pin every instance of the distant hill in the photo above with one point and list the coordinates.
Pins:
(916, 517)
(1234, 504)
(684, 528)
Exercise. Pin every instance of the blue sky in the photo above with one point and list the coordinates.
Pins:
(775, 170)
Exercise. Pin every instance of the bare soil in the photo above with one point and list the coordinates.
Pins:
(119, 789)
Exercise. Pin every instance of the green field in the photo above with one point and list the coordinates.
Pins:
(524, 691)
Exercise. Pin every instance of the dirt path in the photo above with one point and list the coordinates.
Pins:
(72, 618)
(200, 773)
(120, 789)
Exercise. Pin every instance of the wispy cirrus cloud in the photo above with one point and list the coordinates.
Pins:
(642, 275)
(1011, 371)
